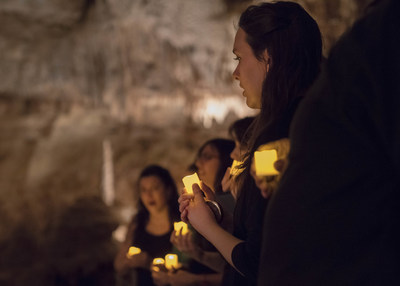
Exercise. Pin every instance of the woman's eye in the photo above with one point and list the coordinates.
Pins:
(236, 58)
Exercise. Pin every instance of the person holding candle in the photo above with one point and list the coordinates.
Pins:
(278, 47)
(212, 159)
(150, 229)
(240, 134)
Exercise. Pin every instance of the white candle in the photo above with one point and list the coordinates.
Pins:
(188, 181)
(171, 261)
(158, 261)
(181, 225)
(264, 162)
(133, 251)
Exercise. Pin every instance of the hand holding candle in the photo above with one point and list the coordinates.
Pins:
(171, 262)
(267, 166)
(158, 264)
(178, 226)
(133, 251)
(264, 162)
(235, 170)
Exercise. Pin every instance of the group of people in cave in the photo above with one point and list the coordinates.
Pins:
(330, 215)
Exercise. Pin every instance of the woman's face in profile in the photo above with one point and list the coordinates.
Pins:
(238, 152)
(250, 72)
(153, 193)
(207, 164)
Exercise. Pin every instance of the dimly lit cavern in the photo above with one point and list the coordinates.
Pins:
(91, 93)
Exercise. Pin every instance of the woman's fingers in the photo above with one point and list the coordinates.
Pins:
(207, 191)
(184, 215)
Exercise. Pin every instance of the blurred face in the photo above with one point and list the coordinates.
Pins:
(208, 164)
(250, 72)
(239, 151)
(153, 193)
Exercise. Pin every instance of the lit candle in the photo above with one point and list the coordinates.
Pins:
(181, 225)
(264, 162)
(188, 181)
(133, 251)
(158, 261)
(158, 264)
(235, 170)
(171, 261)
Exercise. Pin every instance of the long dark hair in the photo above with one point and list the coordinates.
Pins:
(239, 129)
(224, 148)
(293, 42)
(164, 175)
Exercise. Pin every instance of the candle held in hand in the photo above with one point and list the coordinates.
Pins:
(264, 162)
(188, 181)
(133, 251)
(158, 261)
(171, 261)
(181, 225)
(235, 170)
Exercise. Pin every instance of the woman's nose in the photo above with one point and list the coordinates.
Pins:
(235, 154)
(235, 74)
(197, 163)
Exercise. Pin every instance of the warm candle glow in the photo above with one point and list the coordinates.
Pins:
(181, 225)
(235, 170)
(158, 261)
(171, 261)
(133, 251)
(188, 181)
(264, 162)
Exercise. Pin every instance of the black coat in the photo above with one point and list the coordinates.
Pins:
(335, 218)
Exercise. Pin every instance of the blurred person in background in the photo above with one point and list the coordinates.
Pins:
(150, 229)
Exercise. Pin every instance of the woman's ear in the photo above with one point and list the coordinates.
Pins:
(267, 59)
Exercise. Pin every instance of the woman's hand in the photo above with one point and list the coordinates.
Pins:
(141, 260)
(185, 243)
(197, 211)
(268, 184)
(160, 278)
(182, 278)
(228, 183)
(184, 200)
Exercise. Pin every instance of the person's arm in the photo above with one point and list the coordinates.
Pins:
(250, 210)
(202, 219)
